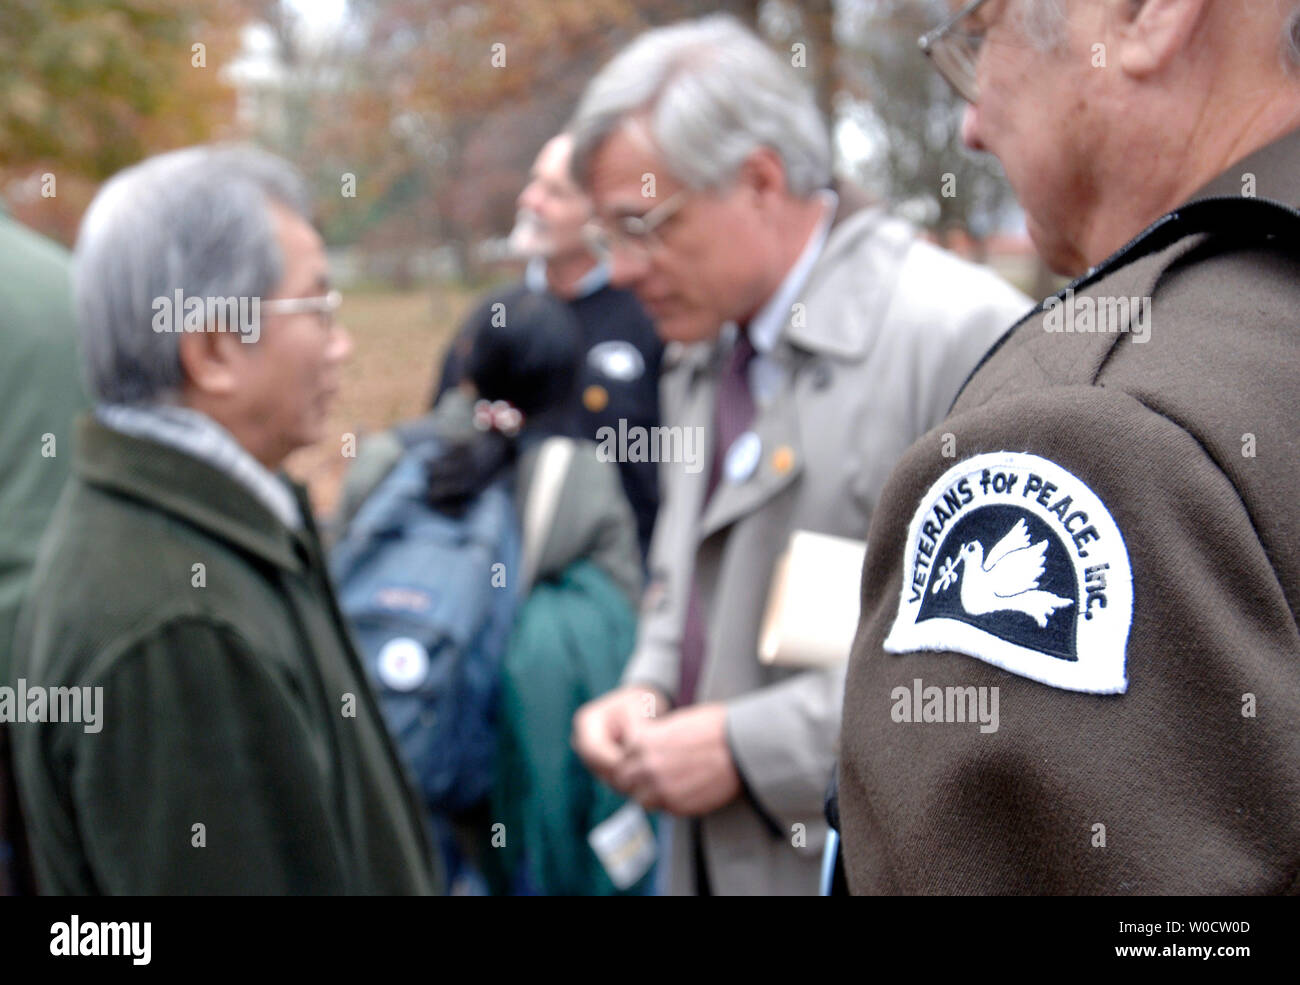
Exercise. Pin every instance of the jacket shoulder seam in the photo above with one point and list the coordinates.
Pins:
(106, 662)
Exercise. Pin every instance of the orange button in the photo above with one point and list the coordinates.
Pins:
(595, 398)
(783, 459)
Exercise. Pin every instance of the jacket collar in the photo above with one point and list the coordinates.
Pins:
(854, 279)
(1275, 169)
(1134, 271)
(199, 436)
(169, 480)
(595, 279)
(765, 327)
(854, 216)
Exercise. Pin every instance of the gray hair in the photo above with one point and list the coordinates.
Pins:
(1043, 23)
(712, 93)
(194, 220)
(1291, 40)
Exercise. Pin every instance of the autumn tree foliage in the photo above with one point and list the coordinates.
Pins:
(436, 109)
(87, 88)
(914, 119)
(415, 121)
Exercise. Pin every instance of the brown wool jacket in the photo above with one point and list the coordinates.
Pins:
(1161, 756)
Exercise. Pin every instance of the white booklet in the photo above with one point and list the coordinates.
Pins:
(812, 608)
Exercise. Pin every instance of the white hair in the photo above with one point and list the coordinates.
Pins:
(712, 92)
(194, 220)
(1291, 40)
(1043, 23)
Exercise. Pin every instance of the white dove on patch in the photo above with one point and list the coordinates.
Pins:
(1006, 581)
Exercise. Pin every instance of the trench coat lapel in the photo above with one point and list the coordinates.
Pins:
(694, 386)
(780, 460)
(777, 425)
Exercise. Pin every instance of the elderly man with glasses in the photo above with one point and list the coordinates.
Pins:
(619, 353)
(225, 739)
(811, 342)
(1111, 565)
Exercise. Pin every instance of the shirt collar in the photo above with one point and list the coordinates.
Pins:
(765, 327)
(189, 431)
(591, 282)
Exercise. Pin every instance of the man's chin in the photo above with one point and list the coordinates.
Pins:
(686, 329)
(527, 245)
(1060, 257)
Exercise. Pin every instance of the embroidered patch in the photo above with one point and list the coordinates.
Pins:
(1013, 560)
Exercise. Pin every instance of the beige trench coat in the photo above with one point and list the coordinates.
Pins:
(889, 329)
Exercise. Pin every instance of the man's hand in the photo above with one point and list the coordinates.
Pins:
(680, 763)
(603, 728)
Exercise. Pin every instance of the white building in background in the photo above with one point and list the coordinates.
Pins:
(259, 78)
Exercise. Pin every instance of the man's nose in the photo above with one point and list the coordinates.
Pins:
(341, 343)
(527, 197)
(970, 128)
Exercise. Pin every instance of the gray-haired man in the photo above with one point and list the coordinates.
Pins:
(213, 731)
(813, 343)
(1147, 659)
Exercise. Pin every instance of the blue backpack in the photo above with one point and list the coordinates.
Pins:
(431, 599)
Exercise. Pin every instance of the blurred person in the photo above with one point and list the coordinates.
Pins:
(43, 394)
(1124, 575)
(576, 579)
(226, 740)
(618, 357)
(810, 343)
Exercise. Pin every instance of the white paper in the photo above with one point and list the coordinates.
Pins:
(625, 844)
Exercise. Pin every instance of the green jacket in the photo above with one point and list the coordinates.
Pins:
(569, 646)
(42, 395)
(232, 697)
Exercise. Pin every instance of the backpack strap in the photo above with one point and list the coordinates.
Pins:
(1235, 216)
(415, 432)
(553, 461)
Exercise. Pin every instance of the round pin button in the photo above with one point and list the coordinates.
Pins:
(783, 460)
(743, 457)
(403, 664)
(595, 398)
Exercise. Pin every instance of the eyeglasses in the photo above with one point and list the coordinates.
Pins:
(955, 54)
(633, 233)
(323, 306)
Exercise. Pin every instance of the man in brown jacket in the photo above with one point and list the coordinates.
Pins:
(1078, 667)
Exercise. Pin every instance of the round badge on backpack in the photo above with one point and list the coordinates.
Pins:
(403, 664)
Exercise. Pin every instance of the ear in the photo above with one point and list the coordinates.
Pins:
(762, 175)
(1152, 32)
(211, 362)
